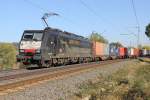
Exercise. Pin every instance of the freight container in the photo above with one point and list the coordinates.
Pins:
(140, 52)
(130, 52)
(122, 52)
(100, 50)
(126, 52)
(144, 52)
(106, 51)
(136, 52)
(148, 52)
(113, 51)
(97, 49)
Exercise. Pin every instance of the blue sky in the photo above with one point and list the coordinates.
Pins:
(111, 18)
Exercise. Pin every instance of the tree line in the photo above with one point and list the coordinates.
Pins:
(7, 55)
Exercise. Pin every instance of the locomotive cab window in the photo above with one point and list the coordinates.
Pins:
(33, 36)
(28, 36)
(38, 36)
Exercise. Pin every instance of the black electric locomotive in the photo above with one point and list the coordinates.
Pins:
(52, 46)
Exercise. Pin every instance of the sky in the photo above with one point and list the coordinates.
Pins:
(111, 18)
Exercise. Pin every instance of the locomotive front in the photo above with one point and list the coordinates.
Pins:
(30, 47)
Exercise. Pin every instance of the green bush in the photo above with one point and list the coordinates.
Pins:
(98, 38)
(7, 55)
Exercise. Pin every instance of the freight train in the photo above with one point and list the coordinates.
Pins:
(51, 47)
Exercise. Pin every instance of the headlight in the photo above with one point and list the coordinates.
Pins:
(21, 50)
(38, 51)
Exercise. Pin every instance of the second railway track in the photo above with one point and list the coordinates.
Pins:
(32, 77)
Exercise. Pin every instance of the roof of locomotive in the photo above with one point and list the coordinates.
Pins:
(31, 31)
(72, 35)
(65, 33)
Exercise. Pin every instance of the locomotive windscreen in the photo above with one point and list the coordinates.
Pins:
(36, 36)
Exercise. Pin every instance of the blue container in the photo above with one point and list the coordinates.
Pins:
(113, 51)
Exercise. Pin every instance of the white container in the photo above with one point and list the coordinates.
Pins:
(130, 51)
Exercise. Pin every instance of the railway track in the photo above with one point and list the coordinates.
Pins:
(32, 77)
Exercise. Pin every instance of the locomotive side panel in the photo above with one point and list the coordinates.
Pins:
(58, 44)
(49, 46)
(74, 46)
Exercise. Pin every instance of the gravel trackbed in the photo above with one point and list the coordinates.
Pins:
(64, 88)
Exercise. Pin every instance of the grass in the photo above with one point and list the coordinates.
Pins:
(130, 83)
(145, 60)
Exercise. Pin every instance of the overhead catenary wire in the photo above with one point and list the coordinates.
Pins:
(135, 12)
(43, 10)
(137, 21)
(100, 18)
(89, 8)
(36, 5)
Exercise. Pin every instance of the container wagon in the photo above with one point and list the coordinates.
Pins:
(100, 50)
(113, 51)
(148, 52)
(144, 52)
(122, 52)
(131, 52)
(136, 52)
(140, 53)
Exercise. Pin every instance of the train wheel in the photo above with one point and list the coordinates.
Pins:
(65, 61)
(48, 64)
(81, 60)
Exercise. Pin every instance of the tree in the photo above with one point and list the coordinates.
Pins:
(146, 47)
(97, 37)
(147, 30)
(7, 55)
